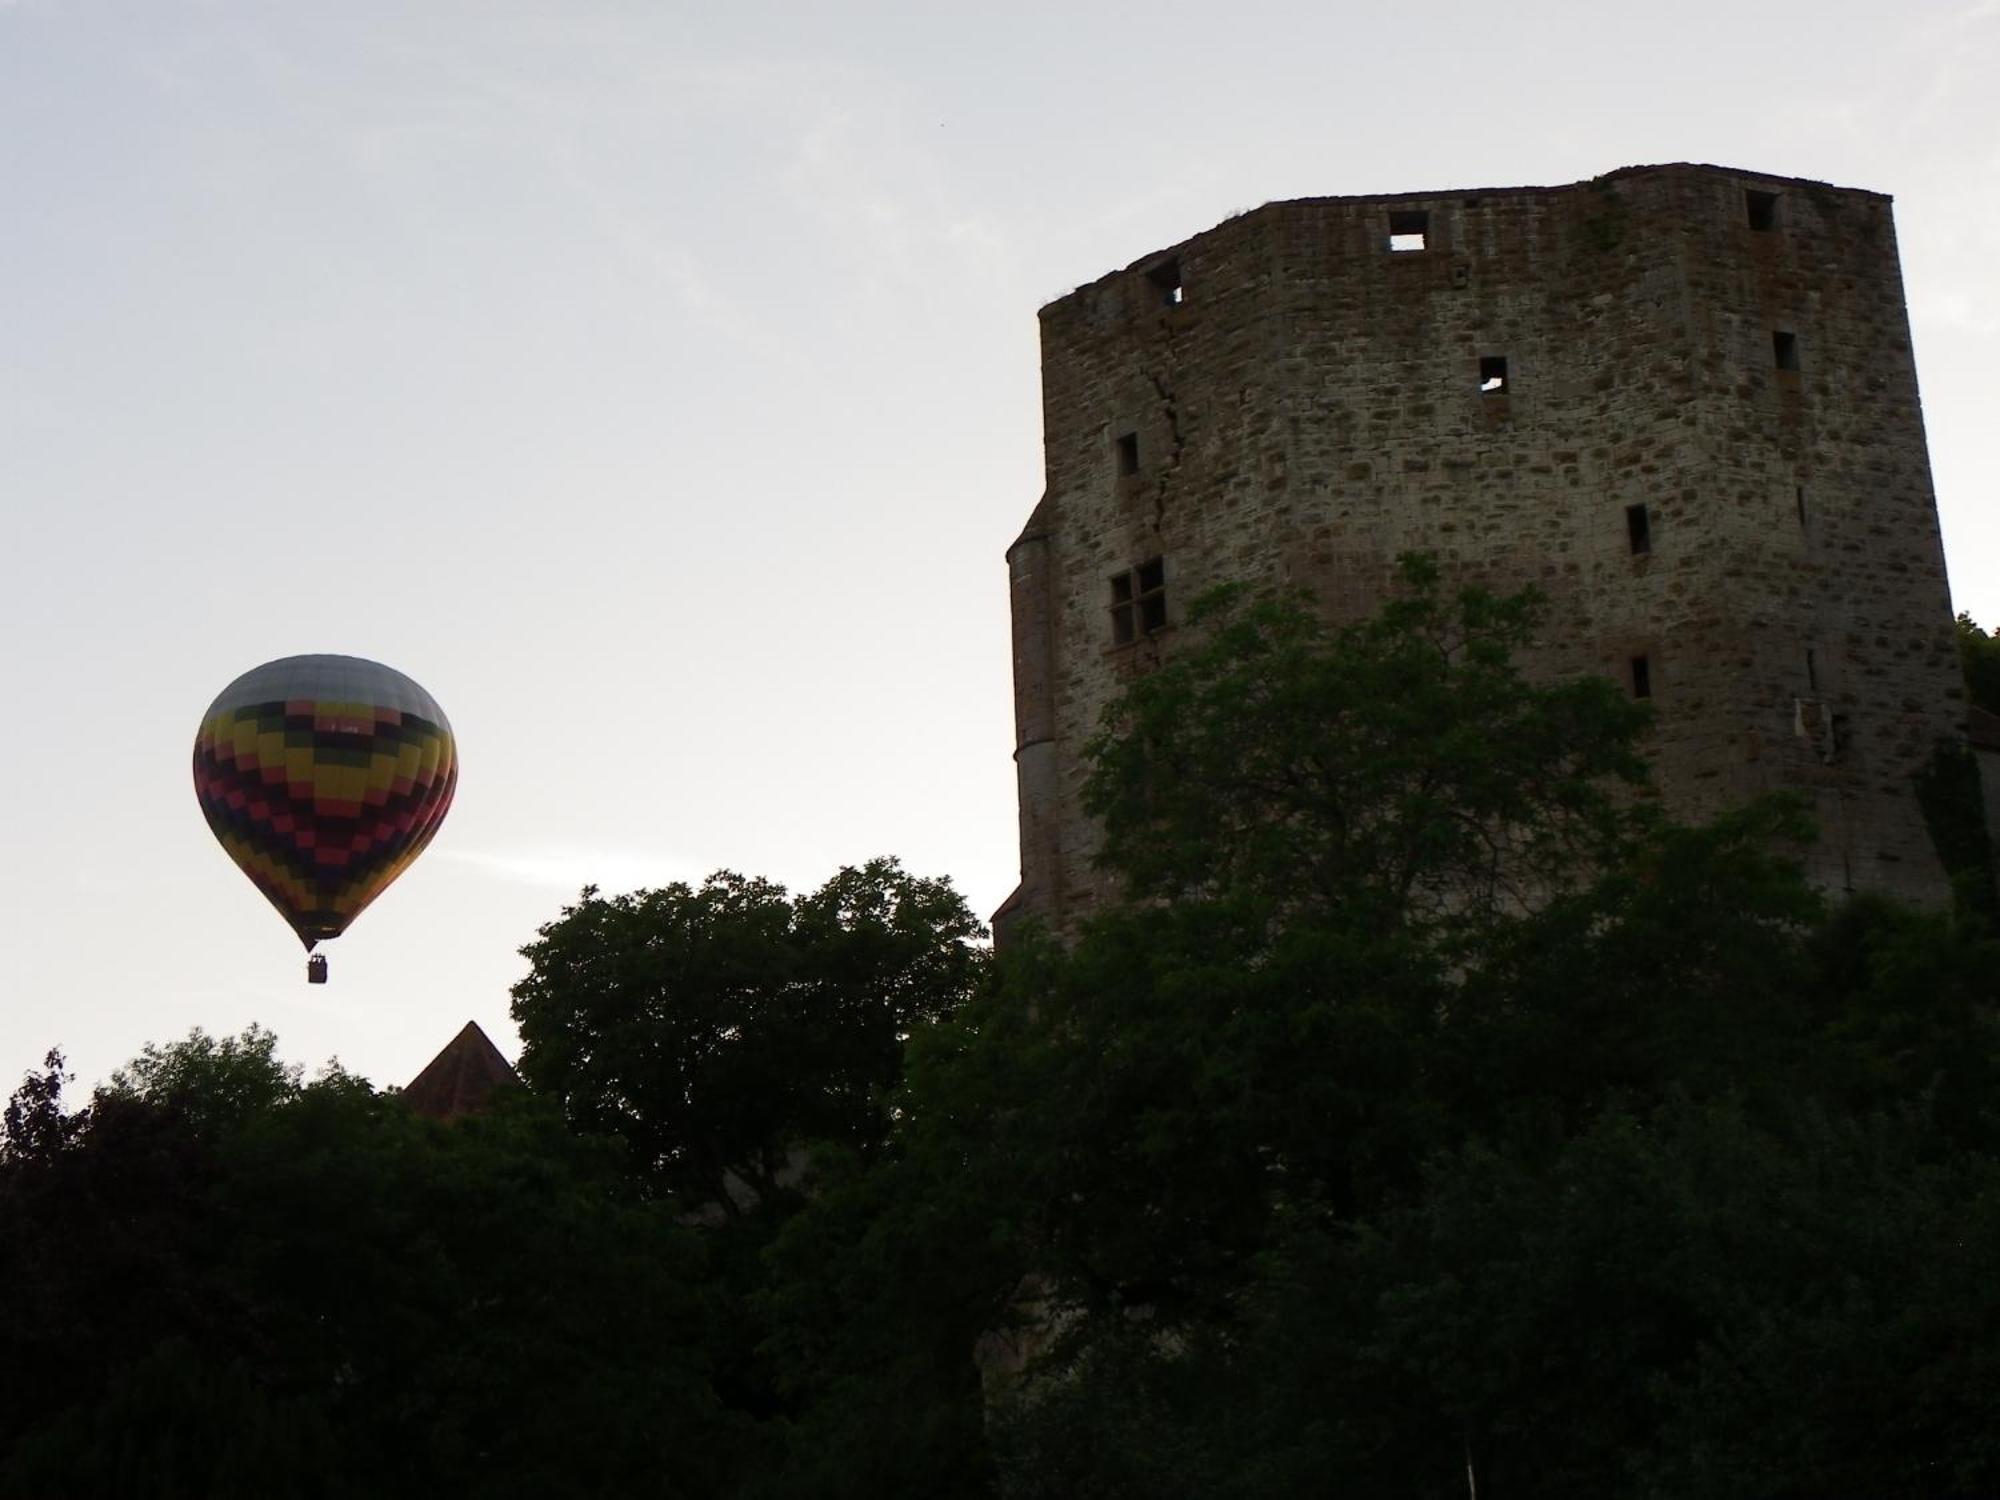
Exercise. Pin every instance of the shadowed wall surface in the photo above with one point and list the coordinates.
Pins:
(1678, 400)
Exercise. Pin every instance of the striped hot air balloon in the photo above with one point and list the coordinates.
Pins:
(323, 777)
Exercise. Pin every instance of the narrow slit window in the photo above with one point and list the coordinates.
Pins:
(1812, 671)
(1165, 279)
(1121, 610)
(1409, 229)
(1802, 507)
(1493, 375)
(1152, 596)
(1138, 602)
(1785, 349)
(1642, 677)
(1762, 208)
(1128, 453)
(1638, 530)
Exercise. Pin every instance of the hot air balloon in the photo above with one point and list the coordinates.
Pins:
(323, 777)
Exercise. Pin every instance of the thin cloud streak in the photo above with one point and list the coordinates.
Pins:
(571, 869)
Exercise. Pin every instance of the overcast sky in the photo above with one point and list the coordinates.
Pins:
(657, 385)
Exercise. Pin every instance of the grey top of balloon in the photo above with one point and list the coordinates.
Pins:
(330, 679)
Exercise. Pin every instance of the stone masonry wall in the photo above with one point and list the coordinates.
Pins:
(1287, 399)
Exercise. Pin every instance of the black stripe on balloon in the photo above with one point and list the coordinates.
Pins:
(214, 781)
(301, 864)
(272, 719)
(333, 830)
(278, 794)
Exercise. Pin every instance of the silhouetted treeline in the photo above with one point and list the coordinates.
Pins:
(1435, 1116)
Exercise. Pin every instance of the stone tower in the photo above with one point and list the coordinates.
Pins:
(1679, 400)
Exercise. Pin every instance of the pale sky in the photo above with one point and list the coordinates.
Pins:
(657, 385)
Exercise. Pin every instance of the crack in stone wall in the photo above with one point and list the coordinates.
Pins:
(1175, 447)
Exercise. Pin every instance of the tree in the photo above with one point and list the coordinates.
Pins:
(1685, 1299)
(1396, 773)
(1614, 1190)
(214, 1081)
(34, 1124)
(1355, 1155)
(719, 1029)
(1979, 658)
(223, 1281)
(1106, 1137)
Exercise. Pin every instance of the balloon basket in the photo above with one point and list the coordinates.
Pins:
(316, 969)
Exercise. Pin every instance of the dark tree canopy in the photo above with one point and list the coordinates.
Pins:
(216, 1280)
(1436, 1117)
(1398, 772)
(1348, 1160)
(718, 1029)
(1979, 657)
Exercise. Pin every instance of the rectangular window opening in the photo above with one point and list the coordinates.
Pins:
(1493, 375)
(1128, 453)
(1642, 677)
(1812, 671)
(1166, 280)
(1785, 349)
(1139, 602)
(1802, 507)
(1762, 208)
(1638, 530)
(1409, 229)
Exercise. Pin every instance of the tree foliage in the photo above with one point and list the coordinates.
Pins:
(1346, 1158)
(216, 1280)
(213, 1082)
(719, 1029)
(1437, 1116)
(1979, 659)
(1396, 772)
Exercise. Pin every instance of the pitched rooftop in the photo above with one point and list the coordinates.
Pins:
(458, 1079)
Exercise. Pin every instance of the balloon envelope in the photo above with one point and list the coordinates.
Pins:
(323, 777)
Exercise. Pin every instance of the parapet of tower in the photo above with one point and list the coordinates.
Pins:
(1679, 400)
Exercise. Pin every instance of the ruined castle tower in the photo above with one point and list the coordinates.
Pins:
(1679, 400)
